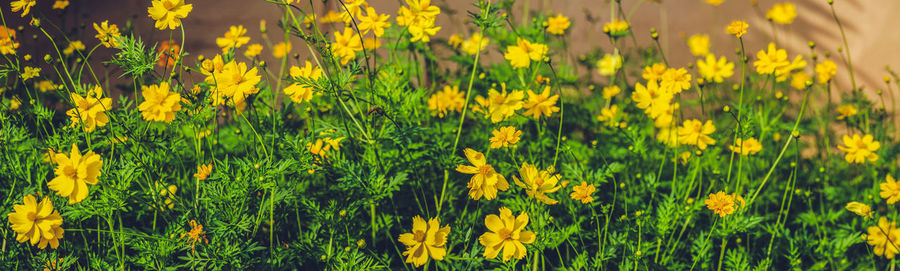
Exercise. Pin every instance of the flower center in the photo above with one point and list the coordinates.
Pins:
(504, 234)
(32, 216)
(860, 144)
(419, 236)
(168, 5)
(486, 170)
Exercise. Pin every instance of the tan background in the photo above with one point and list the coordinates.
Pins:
(871, 29)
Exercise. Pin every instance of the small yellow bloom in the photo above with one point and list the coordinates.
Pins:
(825, 71)
(234, 38)
(346, 44)
(723, 204)
(74, 172)
(281, 49)
(373, 22)
(36, 223)
(426, 241)
(30, 72)
(675, 80)
(521, 55)
(160, 104)
(474, 44)
(107, 34)
(611, 91)
(713, 70)
(23, 5)
(60, 4)
(302, 92)
(860, 209)
(506, 233)
(694, 132)
(166, 195)
(504, 137)
(699, 44)
(73, 46)
(846, 111)
(90, 110)
(860, 149)
(749, 146)
(782, 13)
(654, 72)
(253, 50)
(890, 189)
(583, 192)
(616, 28)
(538, 184)
(485, 181)
(737, 28)
(884, 238)
(557, 25)
(195, 235)
(168, 13)
(446, 100)
(203, 171)
(540, 105)
(609, 64)
(770, 59)
(799, 79)
(715, 2)
(501, 105)
(454, 40)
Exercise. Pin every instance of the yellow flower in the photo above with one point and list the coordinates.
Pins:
(74, 172)
(485, 181)
(771, 59)
(583, 192)
(608, 115)
(504, 137)
(474, 44)
(60, 4)
(195, 235)
(714, 2)
(782, 73)
(737, 28)
(159, 104)
(30, 72)
(846, 111)
(507, 233)
(454, 40)
(449, 99)
(36, 222)
(253, 50)
(346, 45)
(799, 79)
(750, 146)
(538, 184)
(371, 43)
(374, 22)
(825, 71)
(860, 149)
(713, 70)
(883, 238)
(610, 91)
(502, 104)
(521, 55)
(616, 28)
(860, 209)
(24, 5)
(169, 53)
(426, 241)
(301, 92)
(168, 13)
(699, 44)
(558, 25)
(675, 80)
(654, 72)
(666, 115)
(233, 38)
(235, 83)
(282, 49)
(8, 43)
(542, 104)
(782, 13)
(890, 189)
(694, 132)
(203, 171)
(45, 85)
(650, 96)
(107, 34)
(73, 46)
(90, 110)
(52, 265)
(167, 195)
(723, 204)
(609, 64)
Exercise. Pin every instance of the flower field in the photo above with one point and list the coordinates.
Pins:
(365, 138)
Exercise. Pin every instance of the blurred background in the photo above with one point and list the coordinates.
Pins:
(869, 24)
